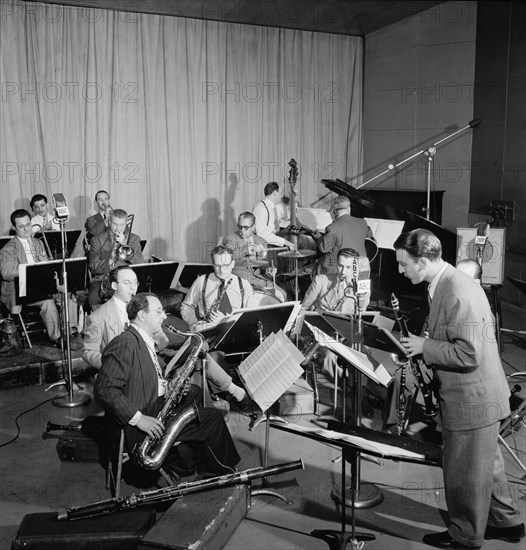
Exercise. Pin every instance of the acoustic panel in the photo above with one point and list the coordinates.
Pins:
(492, 253)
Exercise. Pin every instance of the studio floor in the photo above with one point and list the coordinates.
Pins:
(35, 480)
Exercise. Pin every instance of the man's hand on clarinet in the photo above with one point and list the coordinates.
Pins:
(414, 345)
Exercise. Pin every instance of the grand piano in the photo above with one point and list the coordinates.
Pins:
(384, 270)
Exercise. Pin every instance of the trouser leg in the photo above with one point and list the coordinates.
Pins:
(50, 318)
(468, 464)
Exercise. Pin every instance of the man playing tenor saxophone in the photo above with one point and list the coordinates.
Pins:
(131, 388)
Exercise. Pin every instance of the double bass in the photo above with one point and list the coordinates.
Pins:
(297, 234)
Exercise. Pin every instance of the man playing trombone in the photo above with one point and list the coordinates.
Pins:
(117, 245)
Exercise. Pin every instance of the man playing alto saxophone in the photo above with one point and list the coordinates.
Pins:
(211, 299)
(130, 387)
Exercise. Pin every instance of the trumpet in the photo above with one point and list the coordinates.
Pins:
(124, 251)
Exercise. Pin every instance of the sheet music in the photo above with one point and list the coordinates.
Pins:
(365, 444)
(385, 231)
(271, 369)
(314, 218)
(375, 371)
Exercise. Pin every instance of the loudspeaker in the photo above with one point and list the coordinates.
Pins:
(492, 253)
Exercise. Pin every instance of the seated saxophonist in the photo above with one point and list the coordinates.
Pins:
(116, 245)
(211, 299)
(131, 388)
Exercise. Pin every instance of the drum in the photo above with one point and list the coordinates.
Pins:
(266, 297)
(289, 261)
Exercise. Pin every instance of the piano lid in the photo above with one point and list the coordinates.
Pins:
(363, 206)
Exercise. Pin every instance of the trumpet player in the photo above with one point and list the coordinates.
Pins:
(131, 388)
(23, 249)
(113, 247)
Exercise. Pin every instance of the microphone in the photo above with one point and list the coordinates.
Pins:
(481, 238)
(362, 283)
(59, 204)
(474, 122)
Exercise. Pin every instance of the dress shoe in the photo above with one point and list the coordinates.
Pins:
(509, 534)
(443, 540)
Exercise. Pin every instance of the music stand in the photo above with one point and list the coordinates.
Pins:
(353, 440)
(54, 240)
(239, 333)
(155, 277)
(4, 240)
(188, 273)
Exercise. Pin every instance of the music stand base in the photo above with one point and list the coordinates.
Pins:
(368, 496)
(78, 398)
(338, 540)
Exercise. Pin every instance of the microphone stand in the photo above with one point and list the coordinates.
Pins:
(429, 152)
(71, 398)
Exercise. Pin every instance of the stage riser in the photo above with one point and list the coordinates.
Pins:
(30, 374)
(201, 521)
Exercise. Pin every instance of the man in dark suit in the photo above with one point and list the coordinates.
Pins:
(344, 232)
(131, 388)
(96, 224)
(103, 256)
(473, 396)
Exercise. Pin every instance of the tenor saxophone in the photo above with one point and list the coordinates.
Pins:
(152, 452)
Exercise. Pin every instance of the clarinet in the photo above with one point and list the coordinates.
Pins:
(215, 304)
(401, 402)
(430, 408)
(173, 492)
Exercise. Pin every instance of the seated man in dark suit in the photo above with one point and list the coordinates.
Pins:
(106, 253)
(131, 388)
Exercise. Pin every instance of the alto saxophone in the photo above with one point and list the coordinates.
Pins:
(215, 304)
(152, 452)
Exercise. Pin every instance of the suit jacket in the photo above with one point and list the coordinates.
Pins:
(11, 256)
(101, 253)
(463, 352)
(127, 383)
(102, 326)
(345, 232)
(94, 225)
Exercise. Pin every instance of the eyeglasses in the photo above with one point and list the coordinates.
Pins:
(239, 226)
(221, 266)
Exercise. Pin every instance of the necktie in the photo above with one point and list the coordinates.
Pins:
(224, 305)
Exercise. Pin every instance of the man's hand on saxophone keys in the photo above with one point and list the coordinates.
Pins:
(151, 425)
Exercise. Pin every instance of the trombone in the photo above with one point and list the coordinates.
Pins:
(37, 228)
(125, 251)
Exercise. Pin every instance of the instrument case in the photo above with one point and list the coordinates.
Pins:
(119, 531)
(77, 447)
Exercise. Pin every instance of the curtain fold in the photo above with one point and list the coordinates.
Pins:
(182, 121)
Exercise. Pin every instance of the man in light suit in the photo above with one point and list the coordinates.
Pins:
(110, 319)
(131, 388)
(473, 396)
(23, 249)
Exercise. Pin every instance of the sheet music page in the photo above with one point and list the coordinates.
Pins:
(22, 280)
(314, 218)
(385, 231)
(381, 448)
(376, 372)
(271, 369)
